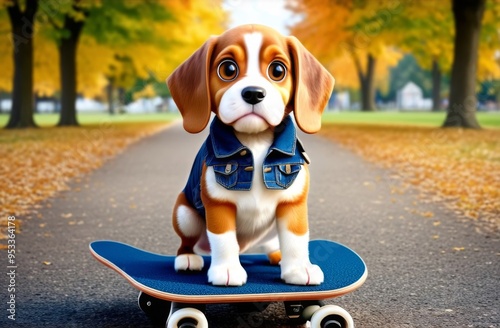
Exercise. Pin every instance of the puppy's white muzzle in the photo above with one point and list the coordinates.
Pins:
(252, 105)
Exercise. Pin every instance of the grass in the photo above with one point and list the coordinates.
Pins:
(47, 120)
(429, 119)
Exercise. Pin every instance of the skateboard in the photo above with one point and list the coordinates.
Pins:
(179, 298)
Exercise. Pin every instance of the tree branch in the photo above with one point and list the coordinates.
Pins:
(358, 65)
(53, 22)
(14, 12)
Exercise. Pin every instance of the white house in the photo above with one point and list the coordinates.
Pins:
(144, 105)
(89, 105)
(410, 97)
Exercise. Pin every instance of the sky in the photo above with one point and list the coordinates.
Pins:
(267, 12)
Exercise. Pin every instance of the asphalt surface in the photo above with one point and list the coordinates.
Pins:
(440, 271)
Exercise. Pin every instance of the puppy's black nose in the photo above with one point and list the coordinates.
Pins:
(253, 95)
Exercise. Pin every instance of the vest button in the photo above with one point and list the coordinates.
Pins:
(248, 168)
(267, 169)
(243, 152)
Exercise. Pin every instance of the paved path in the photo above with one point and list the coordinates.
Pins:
(423, 272)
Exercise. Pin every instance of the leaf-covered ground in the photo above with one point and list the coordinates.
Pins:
(460, 168)
(37, 163)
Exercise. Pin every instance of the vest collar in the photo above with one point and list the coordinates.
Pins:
(225, 143)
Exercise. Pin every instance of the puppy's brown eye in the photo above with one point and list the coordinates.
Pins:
(227, 70)
(276, 71)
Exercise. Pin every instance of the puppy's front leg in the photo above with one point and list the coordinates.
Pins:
(293, 232)
(225, 269)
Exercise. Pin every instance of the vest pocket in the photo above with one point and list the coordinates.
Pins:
(226, 175)
(286, 174)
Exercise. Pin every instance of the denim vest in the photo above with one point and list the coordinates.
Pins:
(232, 162)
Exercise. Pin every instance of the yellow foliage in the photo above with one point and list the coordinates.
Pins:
(6, 60)
(335, 29)
(93, 63)
(146, 92)
(339, 33)
(489, 47)
(344, 69)
(194, 21)
(46, 66)
(433, 22)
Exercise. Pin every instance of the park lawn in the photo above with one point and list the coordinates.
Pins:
(51, 119)
(458, 167)
(37, 163)
(431, 119)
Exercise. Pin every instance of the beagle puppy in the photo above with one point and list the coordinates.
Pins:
(248, 186)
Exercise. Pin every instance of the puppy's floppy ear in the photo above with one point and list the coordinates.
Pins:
(313, 87)
(189, 87)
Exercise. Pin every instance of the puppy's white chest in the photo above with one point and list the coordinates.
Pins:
(256, 208)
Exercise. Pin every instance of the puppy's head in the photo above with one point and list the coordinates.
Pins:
(251, 77)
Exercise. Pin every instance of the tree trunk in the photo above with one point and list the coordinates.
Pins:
(367, 85)
(22, 23)
(468, 15)
(110, 92)
(121, 100)
(67, 65)
(436, 86)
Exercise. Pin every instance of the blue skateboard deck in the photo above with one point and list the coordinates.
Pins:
(154, 274)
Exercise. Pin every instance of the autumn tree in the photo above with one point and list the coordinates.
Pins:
(430, 21)
(22, 21)
(72, 26)
(120, 41)
(120, 76)
(145, 65)
(468, 16)
(112, 23)
(346, 35)
(130, 45)
(462, 35)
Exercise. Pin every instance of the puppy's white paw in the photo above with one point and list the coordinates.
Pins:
(189, 262)
(302, 274)
(227, 275)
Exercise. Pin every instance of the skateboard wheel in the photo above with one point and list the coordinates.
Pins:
(331, 316)
(187, 318)
(156, 309)
(309, 311)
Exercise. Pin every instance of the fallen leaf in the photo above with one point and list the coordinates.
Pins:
(427, 214)
(456, 166)
(53, 156)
